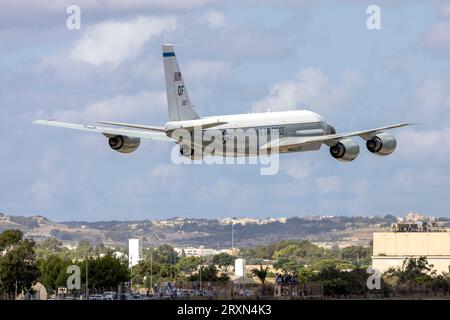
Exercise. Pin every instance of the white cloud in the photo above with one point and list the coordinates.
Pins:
(217, 192)
(297, 169)
(310, 89)
(166, 171)
(445, 10)
(360, 190)
(207, 70)
(104, 5)
(430, 101)
(46, 188)
(329, 184)
(430, 94)
(114, 41)
(215, 19)
(432, 145)
(447, 102)
(438, 35)
(144, 107)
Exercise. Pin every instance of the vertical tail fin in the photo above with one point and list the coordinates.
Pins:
(180, 107)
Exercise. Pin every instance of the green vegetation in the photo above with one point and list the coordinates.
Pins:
(291, 255)
(163, 264)
(338, 272)
(18, 263)
(53, 271)
(105, 273)
(261, 274)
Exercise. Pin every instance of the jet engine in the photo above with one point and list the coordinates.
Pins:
(124, 144)
(186, 151)
(382, 144)
(345, 150)
(191, 153)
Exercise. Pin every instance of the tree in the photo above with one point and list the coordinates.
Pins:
(358, 254)
(286, 265)
(336, 263)
(18, 266)
(105, 273)
(149, 270)
(10, 238)
(83, 250)
(189, 264)
(223, 260)
(101, 249)
(53, 270)
(50, 246)
(304, 275)
(413, 271)
(261, 274)
(166, 254)
(209, 274)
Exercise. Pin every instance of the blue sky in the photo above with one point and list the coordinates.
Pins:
(237, 56)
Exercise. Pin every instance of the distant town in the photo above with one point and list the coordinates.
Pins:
(309, 257)
(325, 231)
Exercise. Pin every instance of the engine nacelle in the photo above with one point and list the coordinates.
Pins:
(345, 150)
(186, 151)
(124, 144)
(382, 144)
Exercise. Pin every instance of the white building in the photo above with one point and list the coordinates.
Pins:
(239, 268)
(390, 249)
(200, 251)
(134, 252)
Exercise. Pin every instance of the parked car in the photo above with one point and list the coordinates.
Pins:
(111, 294)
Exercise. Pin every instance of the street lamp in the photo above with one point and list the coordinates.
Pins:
(151, 269)
(232, 237)
(87, 286)
(131, 274)
(200, 273)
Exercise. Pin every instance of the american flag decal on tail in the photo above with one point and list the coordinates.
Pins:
(177, 76)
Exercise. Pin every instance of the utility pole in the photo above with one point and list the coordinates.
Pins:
(131, 274)
(87, 286)
(232, 237)
(151, 270)
(200, 273)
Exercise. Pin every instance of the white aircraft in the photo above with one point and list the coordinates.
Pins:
(298, 130)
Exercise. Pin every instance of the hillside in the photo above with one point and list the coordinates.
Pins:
(248, 232)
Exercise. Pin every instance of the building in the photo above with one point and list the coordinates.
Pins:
(134, 252)
(200, 251)
(390, 249)
(239, 268)
(244, 221)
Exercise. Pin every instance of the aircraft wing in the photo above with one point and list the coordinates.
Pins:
(144, 134)
(205, 125)
(134, 126)
(330, 139)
